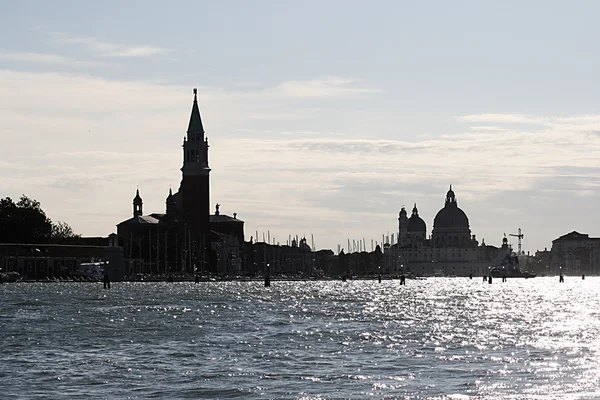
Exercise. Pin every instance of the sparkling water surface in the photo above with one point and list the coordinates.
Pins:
(440, 338)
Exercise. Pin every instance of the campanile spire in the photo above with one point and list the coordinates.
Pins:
(195, 132)
(195, 145)
(195, 183)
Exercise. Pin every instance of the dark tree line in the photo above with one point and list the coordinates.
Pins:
(26, 222)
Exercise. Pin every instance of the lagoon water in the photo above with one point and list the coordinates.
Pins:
(441, 338)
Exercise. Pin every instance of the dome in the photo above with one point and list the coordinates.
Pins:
(451, 216)
(416, 223)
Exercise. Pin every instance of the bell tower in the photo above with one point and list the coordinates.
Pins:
(137, 204)
(194, 189)
(402, 225)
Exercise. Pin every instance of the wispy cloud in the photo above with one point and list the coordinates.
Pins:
(503, 119)
(324, 87)
(486, 128)
(578, 123)
(107, 49)
(46, 59)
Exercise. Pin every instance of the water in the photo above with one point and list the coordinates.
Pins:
(442, 338)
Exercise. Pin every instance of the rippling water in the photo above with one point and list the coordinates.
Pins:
(442, 338)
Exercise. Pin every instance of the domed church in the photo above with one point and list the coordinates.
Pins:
(451, 249)
(451, 226)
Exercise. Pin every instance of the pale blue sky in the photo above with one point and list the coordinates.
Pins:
(324, 116)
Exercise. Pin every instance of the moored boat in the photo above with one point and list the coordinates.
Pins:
(509, 268)
(90, 270)
(12, 276)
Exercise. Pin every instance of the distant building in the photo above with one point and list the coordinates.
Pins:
(296, 259)
(56, 261)
(575, 253)
(450, 250)
(186, 238)
(540, 263)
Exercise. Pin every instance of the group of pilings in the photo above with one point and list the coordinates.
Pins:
(267, 281)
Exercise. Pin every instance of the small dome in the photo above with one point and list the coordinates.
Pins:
(416, 223)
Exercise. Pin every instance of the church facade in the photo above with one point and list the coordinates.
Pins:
(451, 249)
(185, 238)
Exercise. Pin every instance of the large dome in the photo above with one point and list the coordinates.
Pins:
(451, 216)
(416, 223)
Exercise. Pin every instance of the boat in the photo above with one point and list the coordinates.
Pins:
(12, 276)
(90, 270)
(509, 268)
(411, 275)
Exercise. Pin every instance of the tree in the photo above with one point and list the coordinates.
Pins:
(62, 232)
(26, 222)
(32, 221)
(8, 212)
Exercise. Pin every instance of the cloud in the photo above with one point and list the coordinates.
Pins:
(107, 49)
(323, 87)
(46, 59)
(488, 128)
(341, 182)
(503, 119)
(579, 123)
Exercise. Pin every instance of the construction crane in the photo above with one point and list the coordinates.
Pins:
(519, 236)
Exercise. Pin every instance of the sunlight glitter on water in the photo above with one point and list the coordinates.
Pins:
(438, 338)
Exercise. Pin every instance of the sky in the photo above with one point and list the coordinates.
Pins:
(324, 117)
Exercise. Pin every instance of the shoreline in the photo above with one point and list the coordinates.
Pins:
(192, 279)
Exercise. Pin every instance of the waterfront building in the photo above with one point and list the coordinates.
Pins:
(60, 261)
(186, 238)
(450, 250)
(294, 259)
(575, 254)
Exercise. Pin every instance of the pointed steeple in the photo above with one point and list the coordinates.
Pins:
(195, 146)
(195, 130)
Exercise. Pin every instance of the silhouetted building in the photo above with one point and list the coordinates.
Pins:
(186, 238)
(450, 250)
(296, 259)
(575, 254)
(57, 261)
